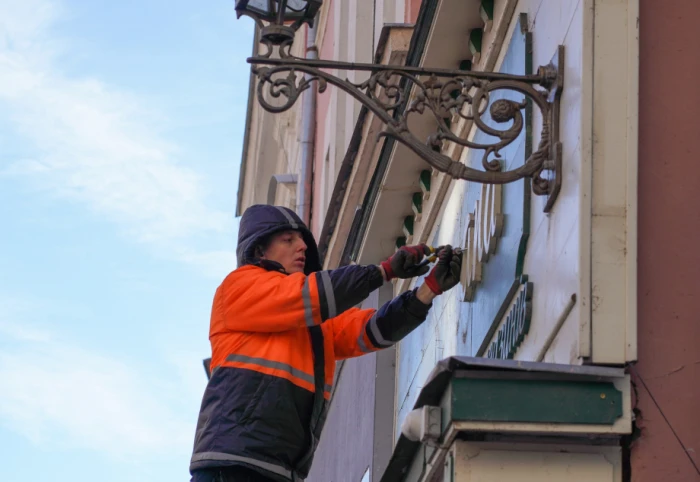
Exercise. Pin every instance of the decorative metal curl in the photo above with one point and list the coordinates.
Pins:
(396, 93)
(289, 87)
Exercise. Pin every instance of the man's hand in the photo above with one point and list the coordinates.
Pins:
(445, 273)
(404, 263)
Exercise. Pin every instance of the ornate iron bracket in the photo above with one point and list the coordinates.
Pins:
(394, 93)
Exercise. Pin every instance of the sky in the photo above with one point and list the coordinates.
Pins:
(120, 140)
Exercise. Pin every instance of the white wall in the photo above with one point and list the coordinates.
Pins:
(273, 146)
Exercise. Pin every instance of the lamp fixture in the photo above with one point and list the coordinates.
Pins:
(394, 93)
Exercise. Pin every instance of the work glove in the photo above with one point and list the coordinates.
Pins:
(445, 273)
(405, 262)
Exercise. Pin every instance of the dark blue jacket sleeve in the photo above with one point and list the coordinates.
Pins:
(357, 332)
(396, 319)
(345, 287)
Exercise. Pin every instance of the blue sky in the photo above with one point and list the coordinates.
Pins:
(120, 137)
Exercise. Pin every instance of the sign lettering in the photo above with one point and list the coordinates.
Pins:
(516, 326)
(484, 227)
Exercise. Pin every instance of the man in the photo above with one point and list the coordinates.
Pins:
(278, 325)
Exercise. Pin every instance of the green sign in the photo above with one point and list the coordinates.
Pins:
(516, 325)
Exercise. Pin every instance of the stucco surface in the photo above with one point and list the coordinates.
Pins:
(669, 259)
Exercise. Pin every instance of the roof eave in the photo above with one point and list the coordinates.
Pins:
(246, 131)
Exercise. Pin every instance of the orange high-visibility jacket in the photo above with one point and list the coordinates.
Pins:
(258, 404)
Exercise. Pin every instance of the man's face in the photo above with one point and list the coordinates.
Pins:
(288, 249)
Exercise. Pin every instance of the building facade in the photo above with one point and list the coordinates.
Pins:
(570, 348)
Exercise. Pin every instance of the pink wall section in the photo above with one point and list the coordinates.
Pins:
(323, 109)
(412, 7)
(325, 51)
(669, 244)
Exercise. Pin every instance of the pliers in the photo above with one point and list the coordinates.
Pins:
(432, 257)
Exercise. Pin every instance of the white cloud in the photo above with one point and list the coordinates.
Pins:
(215, 263)
(59, 394)
(96, 144)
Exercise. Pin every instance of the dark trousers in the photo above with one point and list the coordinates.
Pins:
(229, 474)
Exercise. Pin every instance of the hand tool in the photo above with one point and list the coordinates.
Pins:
(434, 255)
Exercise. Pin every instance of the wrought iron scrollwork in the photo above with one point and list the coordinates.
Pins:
(288, 88)
(394, 94)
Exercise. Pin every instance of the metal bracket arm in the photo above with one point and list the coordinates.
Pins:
(394, 93)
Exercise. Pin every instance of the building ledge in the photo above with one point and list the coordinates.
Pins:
(361, 156)
(515, 401)
(397, 178)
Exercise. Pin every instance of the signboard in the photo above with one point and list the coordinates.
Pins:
(496, 224)
(498, 228)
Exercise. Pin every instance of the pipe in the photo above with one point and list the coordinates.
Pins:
(276, 180)
(308, 137)
(560, 322)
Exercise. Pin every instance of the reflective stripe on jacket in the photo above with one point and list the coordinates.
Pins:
(256, 408)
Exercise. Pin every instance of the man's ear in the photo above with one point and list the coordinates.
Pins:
(259, 252)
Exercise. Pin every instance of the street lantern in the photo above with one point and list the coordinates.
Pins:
(279, 19)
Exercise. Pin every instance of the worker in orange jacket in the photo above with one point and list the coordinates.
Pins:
(278, 325)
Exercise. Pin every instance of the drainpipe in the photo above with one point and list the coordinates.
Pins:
(275, 181)
(308, 137)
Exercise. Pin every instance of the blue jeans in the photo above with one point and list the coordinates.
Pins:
(229, 474)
